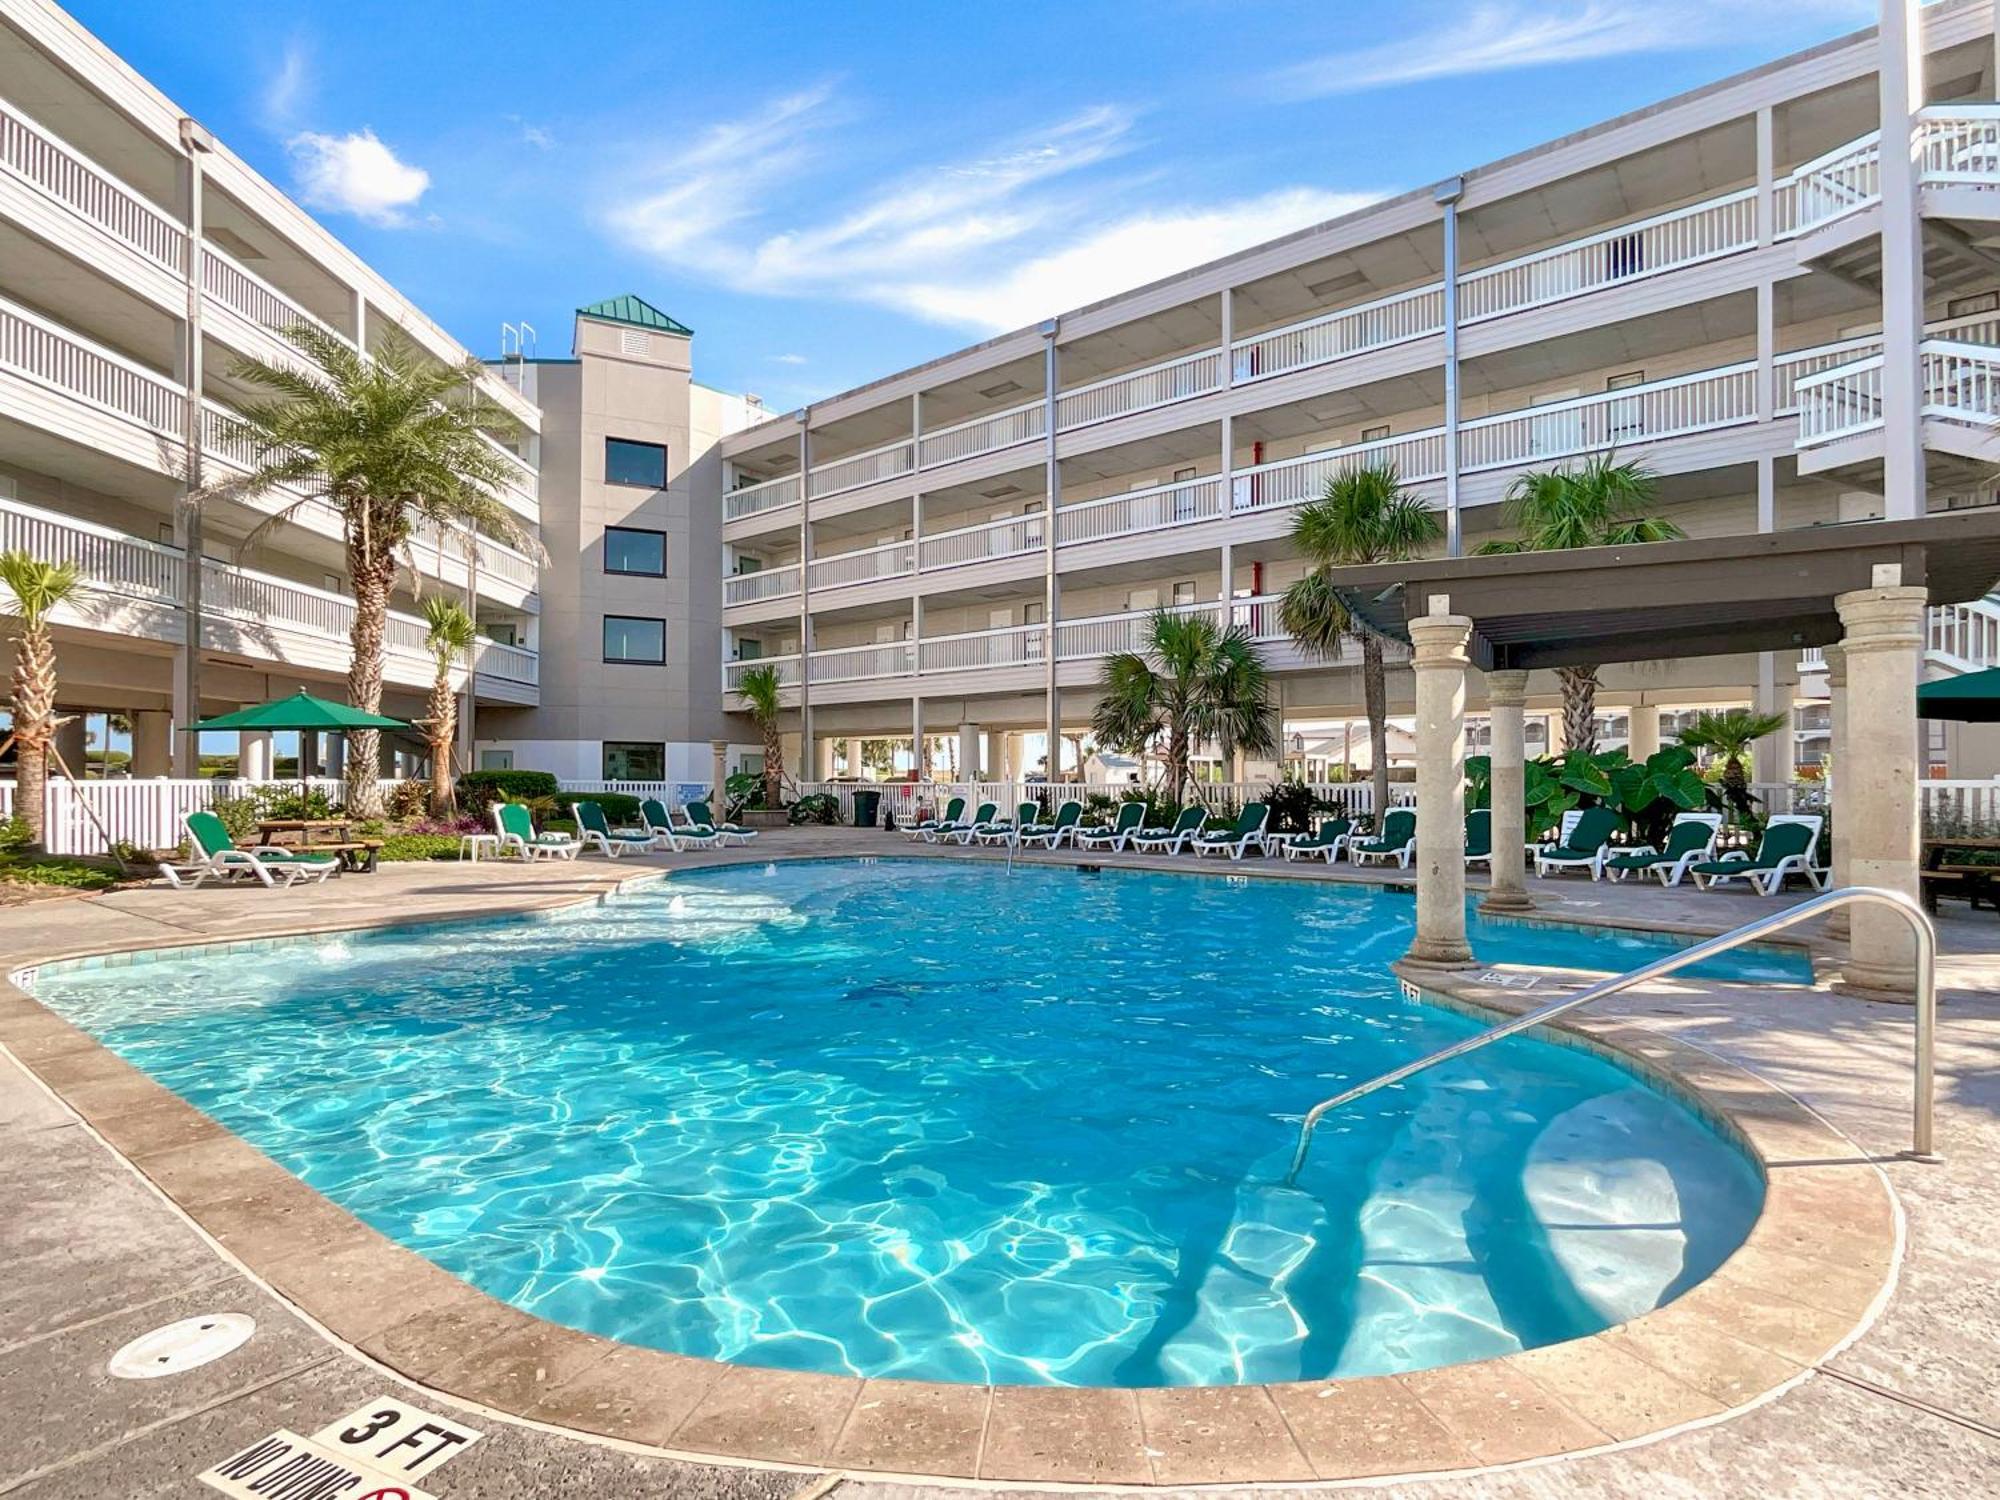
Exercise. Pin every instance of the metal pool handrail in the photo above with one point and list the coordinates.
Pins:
(1926, 1038)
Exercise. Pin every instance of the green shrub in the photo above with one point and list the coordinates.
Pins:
(288, 802)
(401, 847)
(479, 790)
(1292, 806)
(619, 807)
(819, 807)
(239, 815)
(72, 874)
(408, 799)
(14, 834)
(1218, 824)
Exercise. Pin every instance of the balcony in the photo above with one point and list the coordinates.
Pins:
(787, 668)
(760, 586)
(64, 197)
(1840, 409)
(133, 589)
(864, 565)
(60, 382)
(1957, 149)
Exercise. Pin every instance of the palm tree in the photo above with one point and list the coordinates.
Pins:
(1599, 504)
(760, 688)
(1363, 516)
(1730, 734)
(37, 589)
(1192, 681)
(393, 442)
(450, 635)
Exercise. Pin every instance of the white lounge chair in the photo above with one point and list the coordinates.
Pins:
(216, 853)
(516, 827)
(1785, 850)
(1051, 835)
(660, 823)
(1001, 830)
(1690, 842)
(1327, 841)
(923, 829)
(615, 842)
(1247, 834)
(1398, 840)
(1118, 835)
(985, 818)
(1187, 823)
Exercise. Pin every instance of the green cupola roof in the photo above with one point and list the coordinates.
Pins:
(636, 312)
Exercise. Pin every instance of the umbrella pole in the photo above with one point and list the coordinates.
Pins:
(110, 844)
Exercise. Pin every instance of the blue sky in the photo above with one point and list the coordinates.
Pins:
(829, 192)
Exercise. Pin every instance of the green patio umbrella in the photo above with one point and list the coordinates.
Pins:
(301, 711)
(1971, 699)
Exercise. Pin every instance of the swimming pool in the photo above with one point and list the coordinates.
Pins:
(923, 1119)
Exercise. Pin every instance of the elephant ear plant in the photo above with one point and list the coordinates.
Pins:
(1646, 794)
(1650, 792)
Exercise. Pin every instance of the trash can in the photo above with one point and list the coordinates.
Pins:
(867, 803)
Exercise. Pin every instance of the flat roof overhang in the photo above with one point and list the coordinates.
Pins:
(1713, 596)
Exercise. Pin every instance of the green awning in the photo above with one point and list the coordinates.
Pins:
(301, 711)
(1973, 698)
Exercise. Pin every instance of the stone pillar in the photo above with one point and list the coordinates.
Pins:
(152, 742)
(968, 753)
(71, 742)
(823, 753)
(1837, 922)
(1884, 637)
(1643, 737)
(1440, 661)
(1506, 692)
(852, 751)
(718, 771)
(253, 756)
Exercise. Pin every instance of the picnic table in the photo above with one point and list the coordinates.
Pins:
(1939, 875)
(321, 836)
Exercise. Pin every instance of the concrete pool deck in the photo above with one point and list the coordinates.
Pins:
(95, 1256)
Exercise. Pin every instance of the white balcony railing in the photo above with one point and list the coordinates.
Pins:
(752, 499)
(866, 565)
(1958, 145)
(1103, 635)
(1141, 390)
(1335, 335)
(1705, 401)
(1664, 242)
(1018, 646)
(787, 668)
(1018, 424)
(862, 468)
(46, 352)
(984, 543)
(1961, 384)
(1151, 509)
(1966, 636)
(88, 190)
(765, 583)
(238, 288)
(856, 663)
(1416, 456)
(1845, 179)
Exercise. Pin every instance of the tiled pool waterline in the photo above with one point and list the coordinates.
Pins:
(926, 1120)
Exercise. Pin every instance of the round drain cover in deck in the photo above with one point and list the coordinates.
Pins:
(182, 1346)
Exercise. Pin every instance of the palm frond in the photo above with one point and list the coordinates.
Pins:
(1312, 614)
(761, 689)
(37, 588)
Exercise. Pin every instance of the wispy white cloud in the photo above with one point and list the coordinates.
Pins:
(788, 359)
(1503, 35)
(356, 174)
(287, 87)
(1025, 229)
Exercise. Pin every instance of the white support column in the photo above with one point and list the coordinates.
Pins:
(805, 572)
(1440, 661)
(1838, 922)
(969, 768)
(1228, 340)
(718, 751)
(1506, 694)
(823, 753)
(917, 738)
(1052, 591)
(1228, 592)
(1771, 757)
(1901, 89)
(1228, 469)
(852, 753)
(196, 143)
(1767, 167)
(1884, 637)
(1447, 194)
(253, 755)
(152, 742)
(1642, 735)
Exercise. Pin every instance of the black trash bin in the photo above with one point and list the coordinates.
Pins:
(867, 803)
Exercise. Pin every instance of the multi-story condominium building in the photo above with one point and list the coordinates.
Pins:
(630, 624)
(1737, 287)
(139, 261)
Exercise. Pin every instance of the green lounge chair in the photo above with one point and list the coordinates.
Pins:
(987, 814)
(699, 817)
(1786, 849)
(1586, 847)
(1051, 835)
(216, 853)
(1479, 837)
(516, 827)
(598, 833)
(1690, 842)
(1171, 840)
(1328, 841)
(1248, 833)
(953, 811)
(1001, 830)
(661, 823)
(1118, 835)
(1398, 840)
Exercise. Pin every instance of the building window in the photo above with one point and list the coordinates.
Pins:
(1625, 255)
(630, 638)
(750, 650)
(496, 760)
(1970, 307)
(1184, 591)
(631, 551)
(643, 464)
(635, 760)
(1374, 434)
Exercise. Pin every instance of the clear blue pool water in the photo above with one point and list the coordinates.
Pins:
(916, 1119)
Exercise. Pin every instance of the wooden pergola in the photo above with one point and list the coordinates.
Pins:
(1858, 589)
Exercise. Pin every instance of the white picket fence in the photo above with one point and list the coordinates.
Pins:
(907, 799)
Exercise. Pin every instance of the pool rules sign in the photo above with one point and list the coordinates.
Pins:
(374, 1453)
